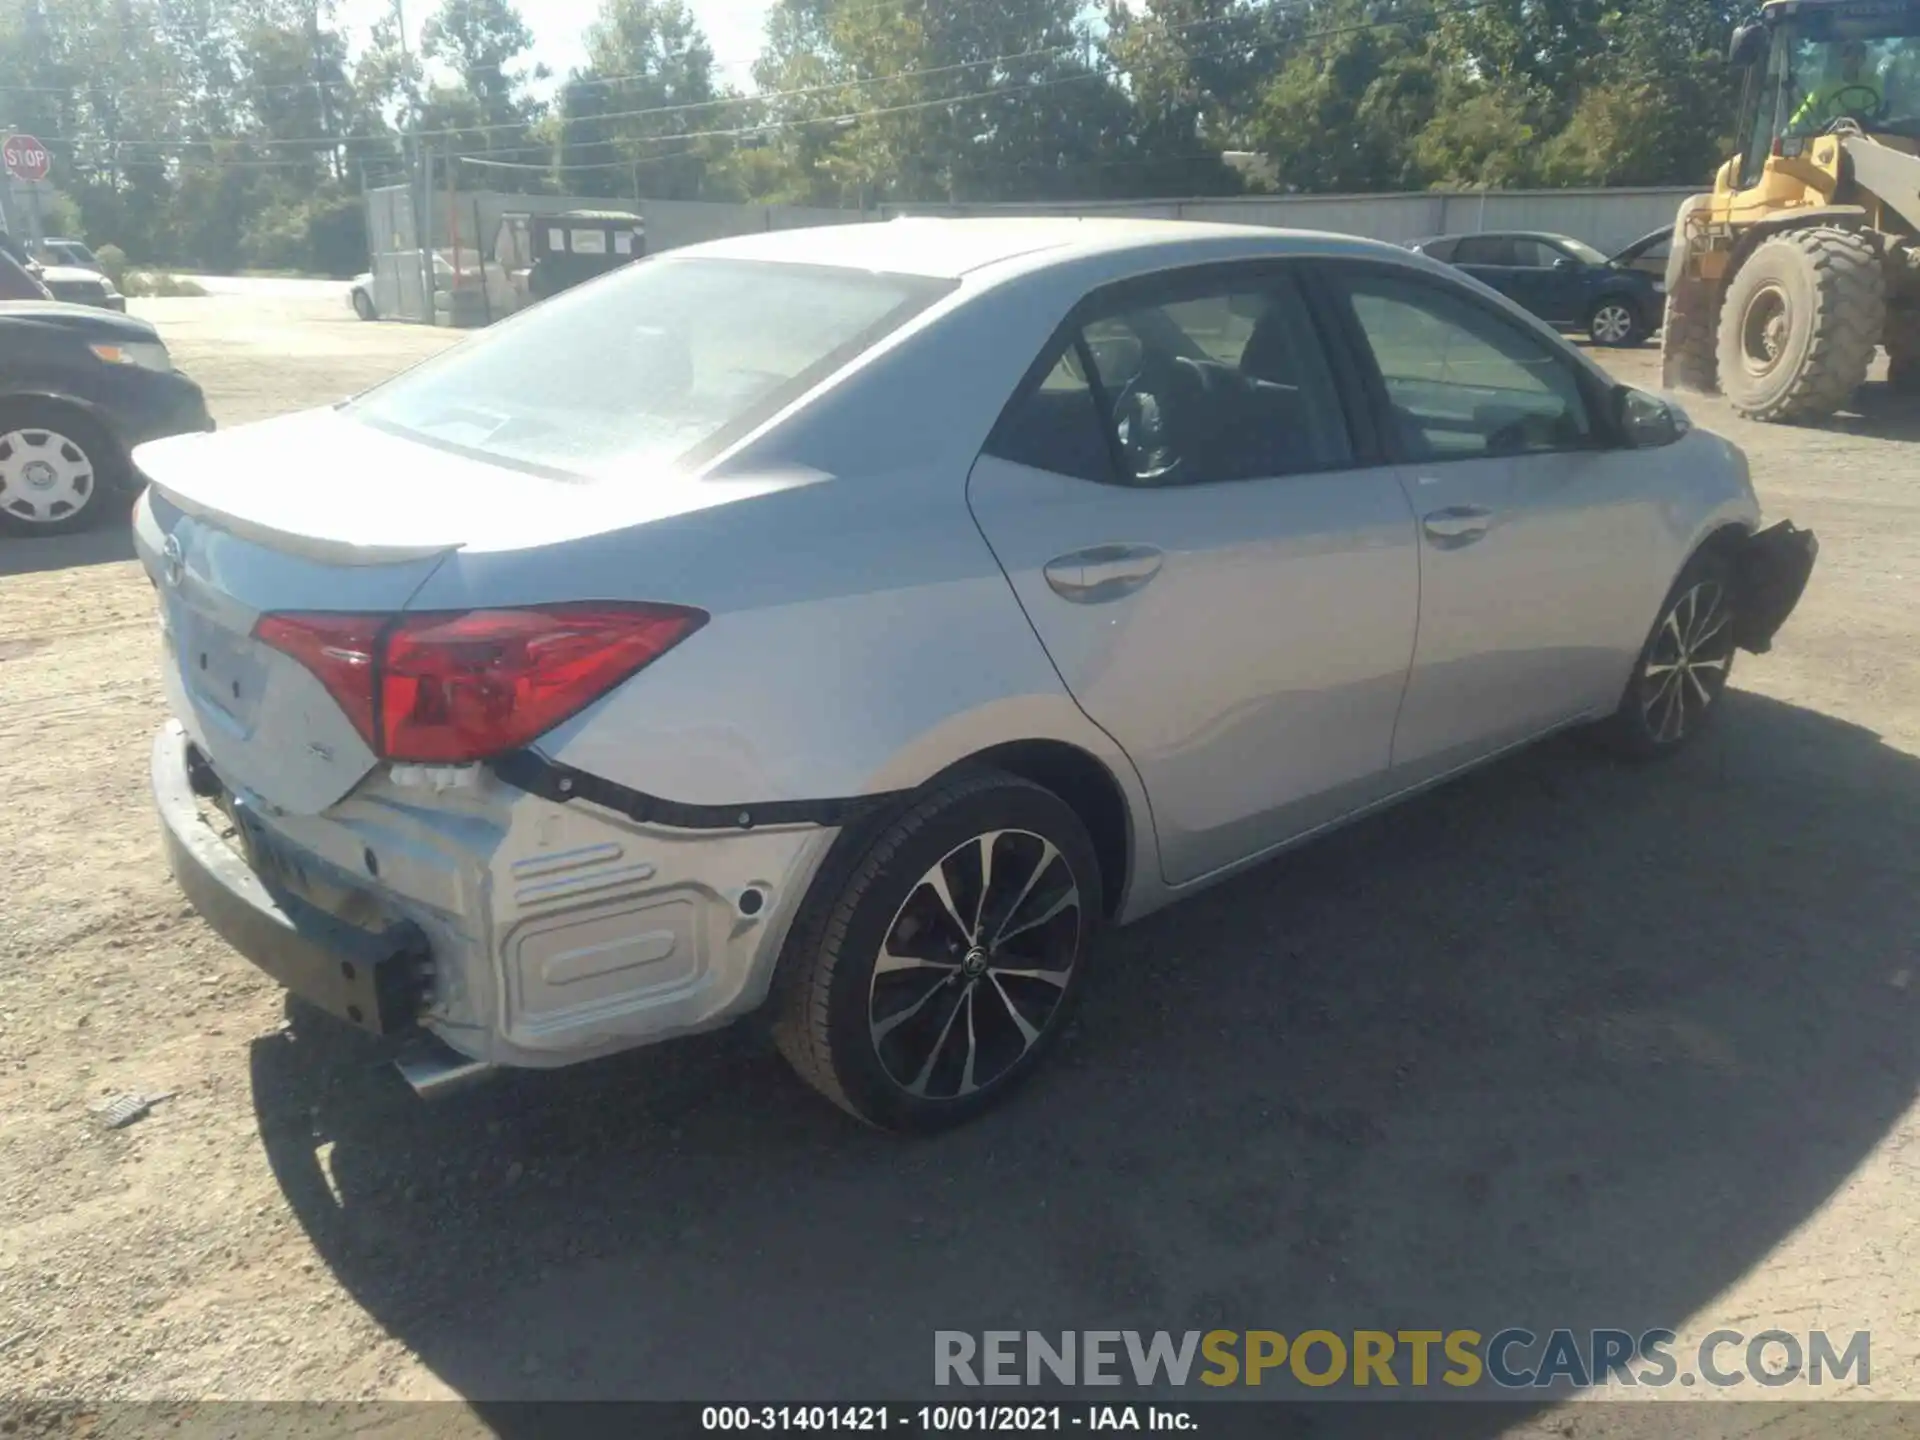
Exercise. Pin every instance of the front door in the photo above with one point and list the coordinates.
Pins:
(1226, 585)
(1548, 281)
(1535, 539)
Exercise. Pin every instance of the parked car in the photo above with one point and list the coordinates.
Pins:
(78, 390)
(82, 287)
(1564, 281)
(852, 621)
(73, 254)
(471, 273)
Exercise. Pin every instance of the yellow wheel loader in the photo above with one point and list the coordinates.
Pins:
(1805, 258)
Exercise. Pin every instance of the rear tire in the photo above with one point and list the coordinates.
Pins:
(915, 997)
(1682, 670)
(1615, 323)
(1688, 340)
(1801, 325)
(59, 470)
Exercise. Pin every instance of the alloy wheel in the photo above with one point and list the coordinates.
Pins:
(1687, 663)
(1612, 324)
(44, 476)
(975, 965)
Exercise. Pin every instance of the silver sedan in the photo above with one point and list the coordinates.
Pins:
(853, 621)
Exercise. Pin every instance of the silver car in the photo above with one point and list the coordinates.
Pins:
(852, 621)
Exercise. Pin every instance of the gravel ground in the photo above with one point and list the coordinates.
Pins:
(1566, 1043)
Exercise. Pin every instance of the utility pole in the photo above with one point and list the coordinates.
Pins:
(322, 89)
(419, 181)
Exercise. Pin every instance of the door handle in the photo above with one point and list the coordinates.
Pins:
(1103, 572)
(1457, 525)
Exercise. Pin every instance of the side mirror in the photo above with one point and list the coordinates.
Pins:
(1748, 45)
(1566, 262)
(1646, 422)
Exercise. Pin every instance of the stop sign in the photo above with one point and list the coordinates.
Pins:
(25, 157)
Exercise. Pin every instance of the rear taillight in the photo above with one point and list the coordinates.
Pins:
(452, 688)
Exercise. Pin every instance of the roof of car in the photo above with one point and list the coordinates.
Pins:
(949, 248)
(1501, 235)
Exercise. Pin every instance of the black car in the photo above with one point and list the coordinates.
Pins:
(79, 388)
(1564, 281)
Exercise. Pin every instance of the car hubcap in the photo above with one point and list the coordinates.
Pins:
(1687, 662)
(44, 476)
(1613, 324)
(1763, 334)
(975, 965)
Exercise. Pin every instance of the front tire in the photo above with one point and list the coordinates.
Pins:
(363, 305)
(1615, 323)
(57, 469)
(928, 978)
(1683, 668)
(1801, 325)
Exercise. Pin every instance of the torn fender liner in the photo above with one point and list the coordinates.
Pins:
(1771, 574)
(537, 775)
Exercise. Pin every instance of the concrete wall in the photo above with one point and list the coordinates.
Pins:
(669, 223)
(1609, 219)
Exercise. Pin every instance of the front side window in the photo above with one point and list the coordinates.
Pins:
(1862, 66)
(1460, 381)
(663, 360)
(1191, 385)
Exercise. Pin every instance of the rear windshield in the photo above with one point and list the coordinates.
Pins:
(665, 360)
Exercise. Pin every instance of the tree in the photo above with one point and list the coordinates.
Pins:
(483, 41)
(648, 85)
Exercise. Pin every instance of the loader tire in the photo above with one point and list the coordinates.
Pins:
(1801, 325)
(1688, 338)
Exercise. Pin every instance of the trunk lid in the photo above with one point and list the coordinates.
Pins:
(319, 512)
(221, 535)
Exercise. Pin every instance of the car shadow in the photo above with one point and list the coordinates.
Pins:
(34, 554)
(1568, 1043)
(1880, 413)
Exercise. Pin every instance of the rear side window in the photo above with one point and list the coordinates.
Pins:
(1191, 384)
(1484, 250)
(1057, 425)
(663, 361)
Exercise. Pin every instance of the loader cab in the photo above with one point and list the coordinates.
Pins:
(1816, 65)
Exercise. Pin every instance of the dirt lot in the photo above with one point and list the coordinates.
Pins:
(1565, 1044)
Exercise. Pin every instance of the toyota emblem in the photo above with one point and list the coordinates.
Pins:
(174, 559)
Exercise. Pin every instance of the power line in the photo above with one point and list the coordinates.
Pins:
(852, 118)
(853, 83)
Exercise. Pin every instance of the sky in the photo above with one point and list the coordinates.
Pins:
(733, 27)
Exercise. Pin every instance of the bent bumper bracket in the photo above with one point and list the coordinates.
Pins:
(1771, 575)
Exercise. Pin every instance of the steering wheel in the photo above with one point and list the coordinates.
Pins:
(1837, 106)
(1142, 407)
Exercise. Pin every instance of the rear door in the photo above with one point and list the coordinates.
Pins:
(1222, 571)
(1490, 260)
(1539, 549)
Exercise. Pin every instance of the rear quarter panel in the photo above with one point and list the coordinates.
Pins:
(862, 636)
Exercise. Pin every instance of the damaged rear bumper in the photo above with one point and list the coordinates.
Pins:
(1771, 575)
(372, 980)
